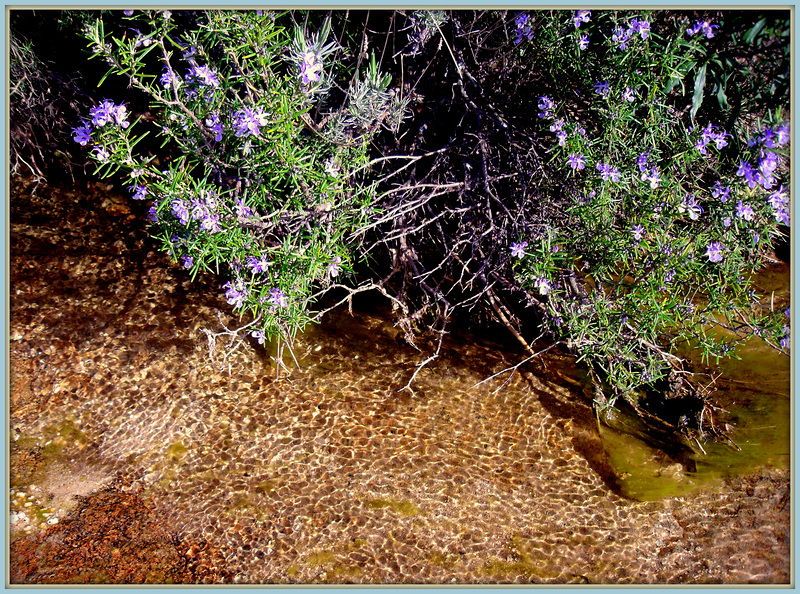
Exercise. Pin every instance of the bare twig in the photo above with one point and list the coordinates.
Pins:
(514, 368)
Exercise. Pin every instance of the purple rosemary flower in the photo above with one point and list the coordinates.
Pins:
(782, 215)
(212, 121)
(641, 27)
(769, 163)
(120, 115)
(719, 138)
(310, 68)
(779, 198)
(333, 267)
(242, 211)
(203, 75)
(711, 133)
(169, 79)
(602, 88)
(101, 154)
(259, 336)
(332, 167)
(691, 206)
(714, 251)
(188, 261)
(277, 298)
(211, 223)
(518, 249)
(638, 232)
(139, 191)
(721, 192)
(258, 265)
(102, 114)
(152, 214)
(107, 112)
(768, 138)
(628, 95)
(621, 36)
(783, 134)
(546, 105)
(543, 285)
(141, 39)
(82, 135)
(180, 210)
(199, 209)
(785, 341)
(523, 28)
(744, 211)
(608, 172)
(653, 177)
(577, 161)
(642, 162)
(236, 293)
(583, 43)
(766, 181)
(582, 16)
(247, 121)
(746, 170)
(704, 26)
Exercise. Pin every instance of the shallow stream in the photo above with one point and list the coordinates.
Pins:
(329, 475)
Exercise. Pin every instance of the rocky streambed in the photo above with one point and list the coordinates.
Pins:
(134, 459)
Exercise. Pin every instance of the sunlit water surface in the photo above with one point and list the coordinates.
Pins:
(329, 474)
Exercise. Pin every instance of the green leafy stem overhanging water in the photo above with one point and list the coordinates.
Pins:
(639, 233)
(665, 228)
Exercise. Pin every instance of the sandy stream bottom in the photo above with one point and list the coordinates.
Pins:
(327, 475)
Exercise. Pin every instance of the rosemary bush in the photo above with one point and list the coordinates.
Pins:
(567, 181)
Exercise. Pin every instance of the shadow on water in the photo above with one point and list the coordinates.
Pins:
(753, 395)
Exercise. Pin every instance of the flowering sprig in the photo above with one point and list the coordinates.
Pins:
(608, 172)
(714, 252)
(518, 249)
(577, 161)
(248, 121)
(310, 68)
(107, 112)
(582, 16)
(523, 28)
(705, 27)
(309, 54)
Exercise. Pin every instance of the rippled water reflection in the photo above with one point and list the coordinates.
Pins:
(329, 475)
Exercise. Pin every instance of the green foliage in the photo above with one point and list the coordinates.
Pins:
(630, 273)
